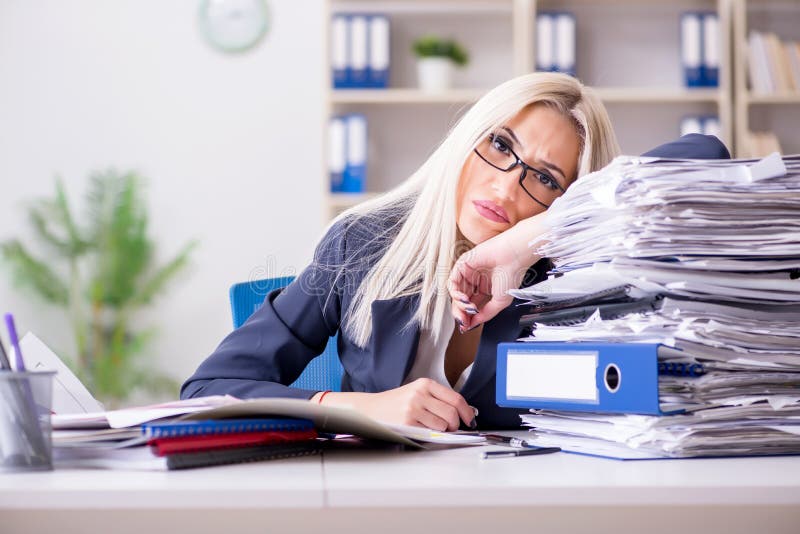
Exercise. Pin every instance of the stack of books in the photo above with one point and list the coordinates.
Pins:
(774, 65)
(695, 261)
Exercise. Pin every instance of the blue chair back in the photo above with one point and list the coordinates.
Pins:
(325, 371)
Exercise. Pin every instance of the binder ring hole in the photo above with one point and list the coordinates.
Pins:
(612, 378)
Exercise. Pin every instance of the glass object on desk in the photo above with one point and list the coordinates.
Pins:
(25, 430)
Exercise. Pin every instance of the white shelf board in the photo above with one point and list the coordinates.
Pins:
(778, 98)
(404, 96)
(658, 95)
(448, 7)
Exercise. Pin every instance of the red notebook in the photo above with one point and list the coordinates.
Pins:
(166, 446)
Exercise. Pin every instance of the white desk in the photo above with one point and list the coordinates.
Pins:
(386, 492)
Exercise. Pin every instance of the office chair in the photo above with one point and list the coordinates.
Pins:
(323, 372)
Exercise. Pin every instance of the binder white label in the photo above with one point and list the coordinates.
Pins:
(691, 125)
(336, 145)
(711, 126)
(379, 43)
(544, 42)
(339, 43)
(559, 376)
(358, 42)
(690, 36)
(711, 41)
(356, 139)
(565, 37)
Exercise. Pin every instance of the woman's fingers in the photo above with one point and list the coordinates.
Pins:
(466, 307)
(454, 399)
(422, 402)
(463, 320)
(443, 416)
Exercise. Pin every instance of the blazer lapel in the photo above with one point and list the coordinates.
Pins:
(394, 342)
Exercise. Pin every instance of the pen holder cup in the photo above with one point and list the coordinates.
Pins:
(25, 429)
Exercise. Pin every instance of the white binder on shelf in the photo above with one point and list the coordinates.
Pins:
(700, 124)
(710, 33)
(358, 51)
(711, 126)
(545, 55)
(565, 43)
(355, 171)
(691, 49)
(339, 51)
(379, 51)
(691, 124)
(337, 152)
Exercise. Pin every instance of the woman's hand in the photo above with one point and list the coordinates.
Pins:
(423, 402)
(481, 278)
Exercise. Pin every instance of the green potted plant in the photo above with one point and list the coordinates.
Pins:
(436, 58)
(101, 272)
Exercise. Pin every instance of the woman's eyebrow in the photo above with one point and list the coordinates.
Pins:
(551, 166)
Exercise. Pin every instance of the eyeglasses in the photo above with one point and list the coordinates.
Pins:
(540, 185)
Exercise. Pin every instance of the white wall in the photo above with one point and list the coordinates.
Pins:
(231, 144)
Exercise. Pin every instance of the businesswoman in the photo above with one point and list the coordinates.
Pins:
(380, 274)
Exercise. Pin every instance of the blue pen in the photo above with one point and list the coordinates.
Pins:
(19, 363)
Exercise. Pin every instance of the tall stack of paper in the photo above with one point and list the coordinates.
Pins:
(704, 257)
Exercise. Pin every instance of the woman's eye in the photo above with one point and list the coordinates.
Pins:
(547, 180)
(499, 144)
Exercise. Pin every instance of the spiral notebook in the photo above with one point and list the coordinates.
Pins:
(172, 429)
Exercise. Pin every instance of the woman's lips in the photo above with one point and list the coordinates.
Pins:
(491, 211)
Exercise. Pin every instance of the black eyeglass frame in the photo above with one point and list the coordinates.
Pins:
(525, 169)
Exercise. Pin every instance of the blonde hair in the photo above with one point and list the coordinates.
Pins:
(417, 258)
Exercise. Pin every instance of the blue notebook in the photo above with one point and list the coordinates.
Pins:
(222, 426)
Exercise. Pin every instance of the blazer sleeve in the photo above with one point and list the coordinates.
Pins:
(691, 146)
(271, 349)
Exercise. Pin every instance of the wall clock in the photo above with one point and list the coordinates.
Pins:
(234, 25)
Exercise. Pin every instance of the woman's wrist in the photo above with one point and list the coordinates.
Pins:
(520, 237)
(337, 398)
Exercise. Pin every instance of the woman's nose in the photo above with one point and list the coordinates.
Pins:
(507, 183)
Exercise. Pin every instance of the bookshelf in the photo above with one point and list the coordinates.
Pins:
(774, 112)
(641, 85)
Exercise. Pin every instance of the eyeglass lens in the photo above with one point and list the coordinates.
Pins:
(496, 150)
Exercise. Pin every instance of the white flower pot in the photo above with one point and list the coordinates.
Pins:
(434, 74)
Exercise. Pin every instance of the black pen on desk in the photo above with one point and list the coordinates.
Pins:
(517, 443)
(528, 451)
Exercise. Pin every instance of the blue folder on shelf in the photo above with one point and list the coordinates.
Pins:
(585, 377)
(692, 48)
